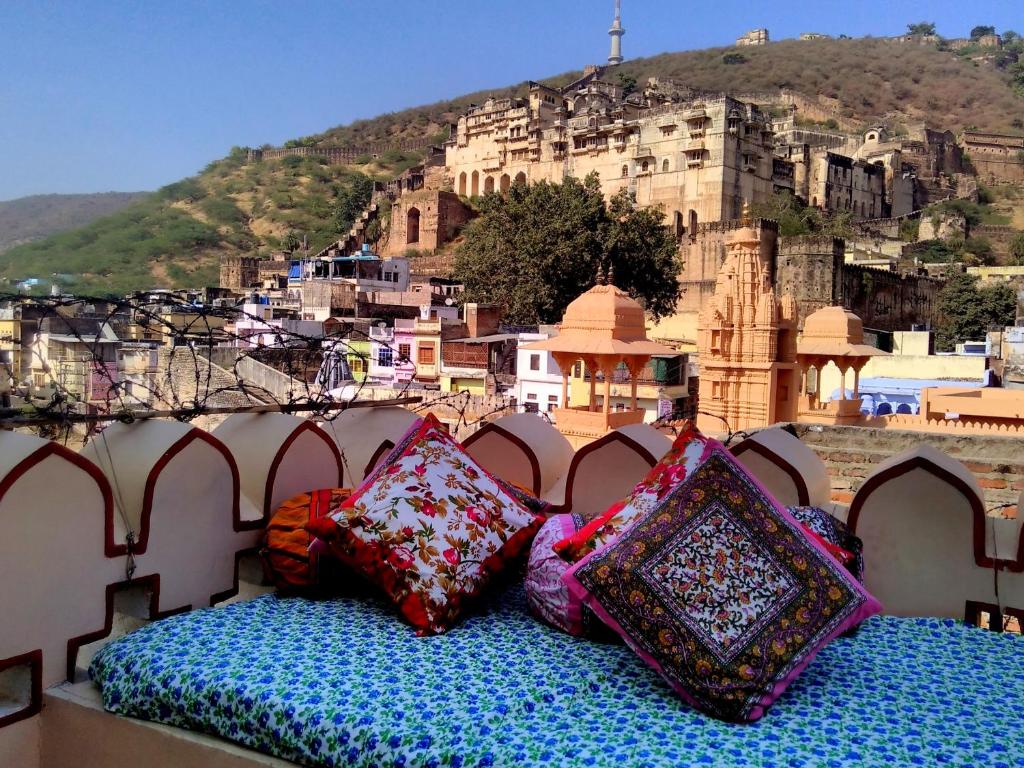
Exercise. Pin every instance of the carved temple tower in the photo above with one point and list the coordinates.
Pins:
(746, 337)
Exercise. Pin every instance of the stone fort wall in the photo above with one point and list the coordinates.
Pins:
(341, 154)
(812, 270)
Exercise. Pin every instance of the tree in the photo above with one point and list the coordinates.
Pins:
(980, 248)
(292, 241)
(980, 31)
(968, 311)
(627, 83)
(538, 247)
(351, 201)
(921, 28)
(1017, 249)
(643, 254)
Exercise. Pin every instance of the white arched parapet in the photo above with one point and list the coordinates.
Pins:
(928, 546)
(606, 470)
(279, 456)
(787, 468)
(523, 449)
(363, 436)
(56, 514)
(176, 489)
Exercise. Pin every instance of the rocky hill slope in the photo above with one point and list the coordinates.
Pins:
(176, 236)
(26, 219)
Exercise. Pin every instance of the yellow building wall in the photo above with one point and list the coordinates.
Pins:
(457, 384)
(680, 329)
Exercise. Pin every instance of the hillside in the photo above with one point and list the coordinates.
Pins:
(874, 78)
(176, 236)
(37, 216)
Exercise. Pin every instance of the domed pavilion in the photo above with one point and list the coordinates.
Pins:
(604, 328)
(832, 335)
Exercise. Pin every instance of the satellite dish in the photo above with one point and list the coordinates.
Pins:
(448, 302)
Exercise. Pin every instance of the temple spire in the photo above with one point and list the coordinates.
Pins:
(617, 31)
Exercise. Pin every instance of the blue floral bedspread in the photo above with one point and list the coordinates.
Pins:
(345, 682)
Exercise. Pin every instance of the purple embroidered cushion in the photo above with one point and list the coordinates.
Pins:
(835, 532)
(721, 592)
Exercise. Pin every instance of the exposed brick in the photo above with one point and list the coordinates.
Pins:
(855, 472)
(996, 483)
(1018, 485)
(842, 497)
(842, 457)
(978, 468)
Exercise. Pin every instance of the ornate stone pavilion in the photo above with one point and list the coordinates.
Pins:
(604, 328)
(832, 335)
(747, 342)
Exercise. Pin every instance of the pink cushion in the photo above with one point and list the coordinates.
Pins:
(546, 593)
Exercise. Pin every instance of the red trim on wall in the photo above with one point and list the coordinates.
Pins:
(517, 441)
(382, 450)
(803, 495)
(977, 507)
(56, 449)
(154, 475)
(34, 660)
(305, 426)
(589, 448)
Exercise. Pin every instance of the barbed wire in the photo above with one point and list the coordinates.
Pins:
(81, 362)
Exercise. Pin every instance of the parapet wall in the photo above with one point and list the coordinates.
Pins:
(850, 453)
(341, 154)
(889, 301)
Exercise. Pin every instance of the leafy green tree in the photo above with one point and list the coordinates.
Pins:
(627, 83)
(1017, 249)
(921, 28)
(292, 241)
(643, 254)
(351, 201)
(980, 248)
(540, 246)
(968, 311)
(981, 30)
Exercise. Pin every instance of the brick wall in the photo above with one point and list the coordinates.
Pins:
(852, 453)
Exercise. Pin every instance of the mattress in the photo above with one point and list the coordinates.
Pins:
(345, 682)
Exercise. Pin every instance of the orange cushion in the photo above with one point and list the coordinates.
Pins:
(287, 560)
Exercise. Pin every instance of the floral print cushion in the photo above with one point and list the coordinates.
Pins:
(682, 458)
(431, 528)
(721, 591)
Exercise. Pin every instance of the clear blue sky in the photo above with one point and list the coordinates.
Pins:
(133, 94)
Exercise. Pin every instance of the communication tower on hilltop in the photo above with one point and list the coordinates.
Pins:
(617, 31)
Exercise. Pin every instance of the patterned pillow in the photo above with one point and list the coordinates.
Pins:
(680, 461)
(836, 535)
(720, 590)
(546, 592)
(431, 528)
(520, 494)
(289, 562)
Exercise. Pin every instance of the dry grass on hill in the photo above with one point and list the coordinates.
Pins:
(874, 78)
